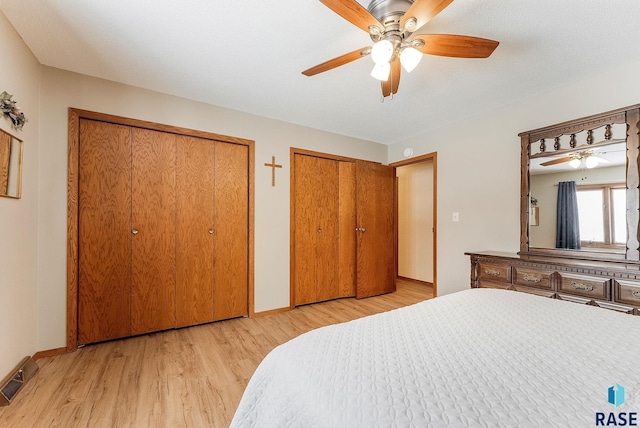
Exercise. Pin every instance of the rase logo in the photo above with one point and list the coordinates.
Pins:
(615, 397)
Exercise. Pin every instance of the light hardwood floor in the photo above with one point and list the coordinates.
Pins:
(192, 377)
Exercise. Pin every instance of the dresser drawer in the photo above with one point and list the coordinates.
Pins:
(599, 303)
(532, 278)
(494, 284)
(626, 292)
(536, 291)
(587, 286)
(494, 272)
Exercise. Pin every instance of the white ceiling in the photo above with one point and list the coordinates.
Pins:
(248, 55)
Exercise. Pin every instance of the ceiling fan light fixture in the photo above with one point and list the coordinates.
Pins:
(381, 52)
(575, 163)
(381, 71)
(591, 162)
(410, 58)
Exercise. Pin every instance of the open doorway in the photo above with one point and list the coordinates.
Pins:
(415, 215)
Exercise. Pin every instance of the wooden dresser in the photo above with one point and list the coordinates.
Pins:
(597, 272)
(610, 285)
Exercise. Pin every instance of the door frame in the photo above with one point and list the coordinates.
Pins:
(429, 157)
(75, 115)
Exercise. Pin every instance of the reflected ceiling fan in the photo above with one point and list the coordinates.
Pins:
(393, 26)
(589, 158)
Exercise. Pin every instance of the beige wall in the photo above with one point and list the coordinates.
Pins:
(415, 221)
(61, 90)
(19, 76)
(479, 165)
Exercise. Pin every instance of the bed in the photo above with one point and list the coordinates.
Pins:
(479, 357)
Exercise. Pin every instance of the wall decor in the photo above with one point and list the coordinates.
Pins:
(10, 166)
(12, 111)
(273, 167)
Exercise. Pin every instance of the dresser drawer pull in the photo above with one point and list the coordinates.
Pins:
(581, 286)
(492, 272)
(532, 278)
(636, 293)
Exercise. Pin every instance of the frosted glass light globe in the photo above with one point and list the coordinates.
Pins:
(382, 52)
(410, 58)
(381, 71)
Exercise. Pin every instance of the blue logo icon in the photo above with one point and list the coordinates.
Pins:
(616, 395)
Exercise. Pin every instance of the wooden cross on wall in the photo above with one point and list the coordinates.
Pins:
(273, 166)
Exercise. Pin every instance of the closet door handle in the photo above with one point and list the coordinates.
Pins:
(360, 229)
(319, 230)
(134, 231)
(211, 231)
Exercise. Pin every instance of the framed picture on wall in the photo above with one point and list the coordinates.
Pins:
(534, 216)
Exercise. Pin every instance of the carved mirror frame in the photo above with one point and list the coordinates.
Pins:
(628, 115)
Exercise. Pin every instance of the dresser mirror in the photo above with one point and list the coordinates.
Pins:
(578, 198)
(10, 166)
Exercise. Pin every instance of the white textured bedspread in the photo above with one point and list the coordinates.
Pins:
(480, 357)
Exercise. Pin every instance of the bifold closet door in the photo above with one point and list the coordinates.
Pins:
(376, 230)
(346, 229)
(153, 231)
(231, 231)
(194, 231)
(104, 241)
(317, 229)
(327, 226)
(305, 232)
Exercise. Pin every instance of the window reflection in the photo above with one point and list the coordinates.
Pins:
(602, 215)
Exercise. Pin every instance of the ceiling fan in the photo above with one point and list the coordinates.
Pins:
(393, 26)
(589, 158)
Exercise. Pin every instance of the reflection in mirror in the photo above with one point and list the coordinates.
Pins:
(10, 166)
(599, 172)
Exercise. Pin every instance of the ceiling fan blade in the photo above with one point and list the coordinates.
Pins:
(337, 62)
(395, 76)
(600, 158)
(353, 12)
(424, 10)
(390, 86)
(557, 161)
(456, 46)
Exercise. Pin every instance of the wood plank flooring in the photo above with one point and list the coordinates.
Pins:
(192, 377)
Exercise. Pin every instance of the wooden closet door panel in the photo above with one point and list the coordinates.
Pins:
(154, 216)
(375, 245)
(194, 221)
(104, 241)
(305, 226)
(347, 241)
(327, 237)
(231, 209)
(5, 157)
